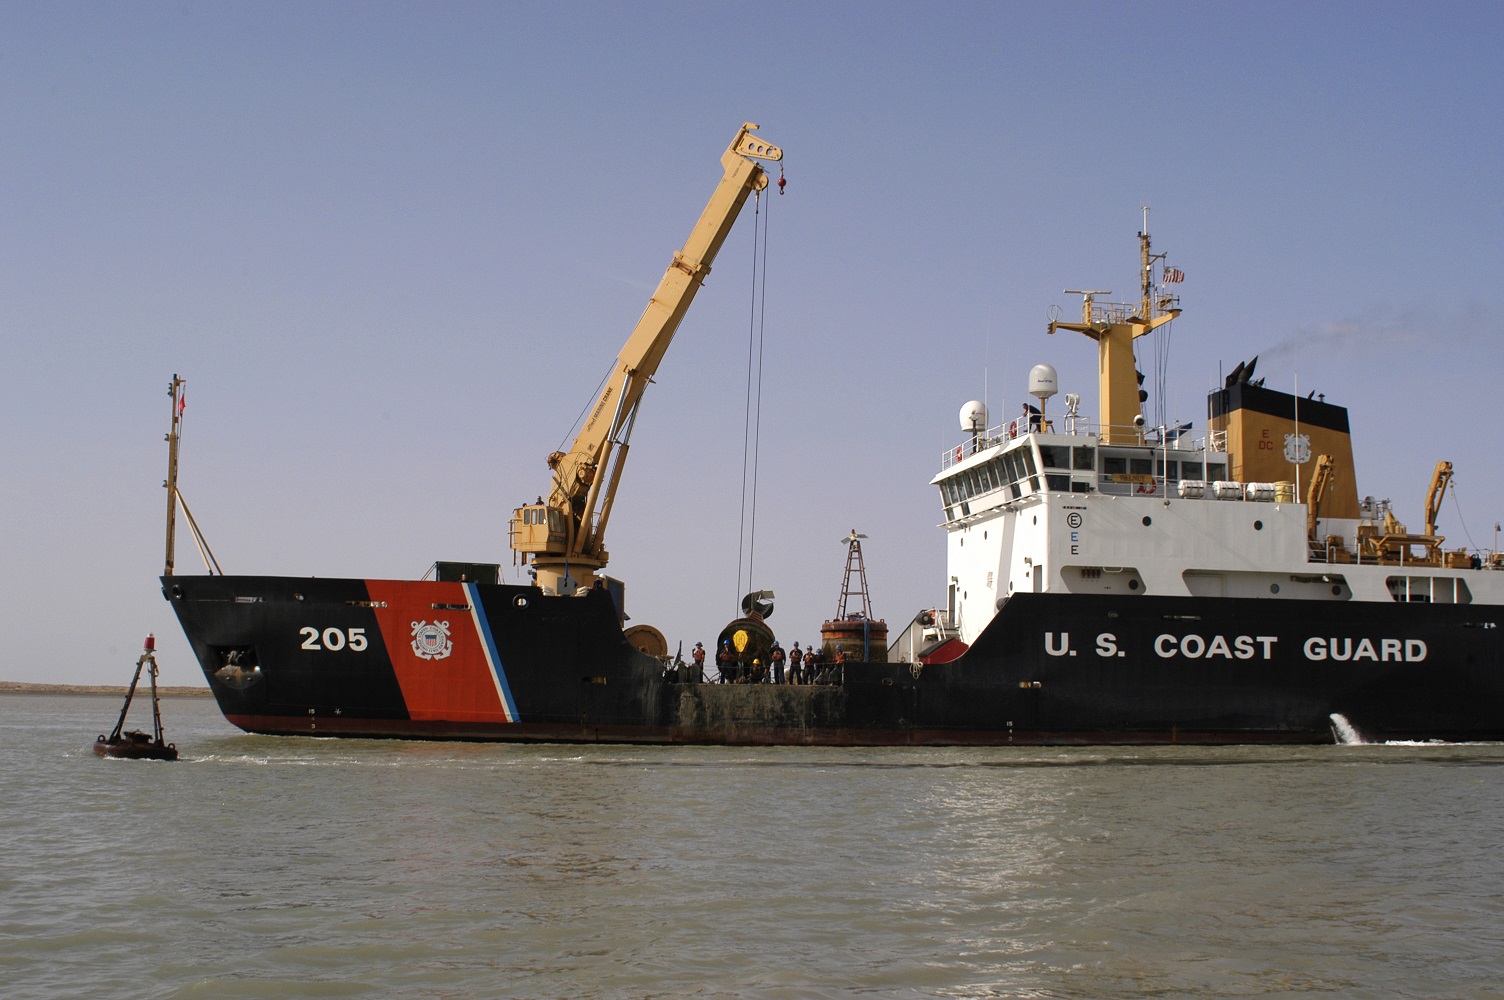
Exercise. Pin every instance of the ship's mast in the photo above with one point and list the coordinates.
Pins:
(175, 391)
(1115, 326)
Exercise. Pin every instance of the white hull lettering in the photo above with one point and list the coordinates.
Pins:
(1057, 643)
(1217, 647)
(1343, 649)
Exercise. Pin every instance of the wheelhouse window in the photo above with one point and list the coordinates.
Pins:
(1055, 456)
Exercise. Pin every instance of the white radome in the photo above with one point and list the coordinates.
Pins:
(1043, 382)
(974, 417)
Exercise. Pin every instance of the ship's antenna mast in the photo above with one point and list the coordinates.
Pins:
(1150, 306)
(175, 390)
(1148, 268)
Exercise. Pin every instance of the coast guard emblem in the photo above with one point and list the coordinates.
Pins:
(431, 640)
(1297, 448)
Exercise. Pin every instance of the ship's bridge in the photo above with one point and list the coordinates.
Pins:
(1029, 456)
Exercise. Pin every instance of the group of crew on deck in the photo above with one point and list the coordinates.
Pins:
(796, 666)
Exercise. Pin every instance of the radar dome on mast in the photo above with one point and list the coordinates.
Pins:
(1043, 382)
(974, 417)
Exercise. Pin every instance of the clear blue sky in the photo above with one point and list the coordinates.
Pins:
(393, 248)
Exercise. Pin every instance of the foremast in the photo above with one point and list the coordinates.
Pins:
(1115, 326)
(175, 390)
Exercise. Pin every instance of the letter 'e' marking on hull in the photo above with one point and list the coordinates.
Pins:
(493, 659)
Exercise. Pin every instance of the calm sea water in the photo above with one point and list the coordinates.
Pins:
(259, 867)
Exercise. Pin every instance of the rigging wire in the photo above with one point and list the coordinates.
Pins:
(1460, 521)
(589, 402)
(747, 419)
(762, 318)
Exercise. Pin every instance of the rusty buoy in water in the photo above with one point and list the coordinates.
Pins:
(134, 744)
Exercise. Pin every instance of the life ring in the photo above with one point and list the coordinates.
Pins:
(958, 454)
(1013, 429)
(1147, 488)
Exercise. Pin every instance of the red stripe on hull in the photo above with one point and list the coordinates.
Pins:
(454, 683)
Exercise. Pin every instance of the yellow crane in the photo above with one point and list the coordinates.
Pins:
(564, 535)
(1434, 493)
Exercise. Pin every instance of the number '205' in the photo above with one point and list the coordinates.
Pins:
(333, 639)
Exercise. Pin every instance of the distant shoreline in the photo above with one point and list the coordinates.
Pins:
(117, 690)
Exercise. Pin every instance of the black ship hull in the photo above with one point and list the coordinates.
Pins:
(443, 660)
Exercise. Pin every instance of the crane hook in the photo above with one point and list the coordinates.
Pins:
(781, 181)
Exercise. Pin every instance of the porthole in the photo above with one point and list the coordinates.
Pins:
(520, 601)
(1132, 584)
(1148, 521)
(1336, 591)
(1258, 525)
(1274, 588)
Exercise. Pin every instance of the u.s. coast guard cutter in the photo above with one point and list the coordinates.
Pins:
(1108, 582)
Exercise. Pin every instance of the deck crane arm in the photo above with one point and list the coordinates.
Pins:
(1321, 481)
(1434, 494)
(564, 535)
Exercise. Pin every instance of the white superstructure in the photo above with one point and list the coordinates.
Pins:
(1032, 508)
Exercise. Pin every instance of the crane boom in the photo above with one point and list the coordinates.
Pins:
(1434, 493)
(564, 536)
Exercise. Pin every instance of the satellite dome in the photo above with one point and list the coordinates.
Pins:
(974, 417)
(1043, 382)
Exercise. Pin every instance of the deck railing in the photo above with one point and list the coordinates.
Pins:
(1179, 436)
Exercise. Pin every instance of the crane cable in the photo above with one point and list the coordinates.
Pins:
(752, 417)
